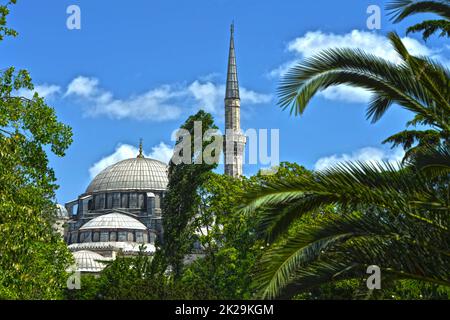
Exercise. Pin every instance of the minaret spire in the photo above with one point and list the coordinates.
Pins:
(234, 140)
(232, 90)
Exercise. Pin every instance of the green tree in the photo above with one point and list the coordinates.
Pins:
(33, 257)
(227, 242)
(182, 201)
(401, 9)
(228, 237)
(130, 278)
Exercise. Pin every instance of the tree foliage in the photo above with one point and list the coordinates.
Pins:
(401, 9)
(396, 217)
(182, 201)
(33, 257)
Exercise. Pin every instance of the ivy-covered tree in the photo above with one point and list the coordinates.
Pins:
(33, 257)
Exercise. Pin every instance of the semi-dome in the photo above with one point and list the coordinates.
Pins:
(113, 221)
(88, 261)
(131, 174)
(61, 211)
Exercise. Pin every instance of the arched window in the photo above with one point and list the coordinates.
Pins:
(133, 200)
(104, 236)
(99, 200)
(85, 237)
(122, 236)
(139, 237)
(141, 202)
(109, 200)
(116, 200)
(74, 237)
(91, 205)
(125, 200)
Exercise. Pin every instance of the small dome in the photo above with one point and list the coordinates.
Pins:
(131, 174)
(88, 261)
(113, 221)
(61, 211)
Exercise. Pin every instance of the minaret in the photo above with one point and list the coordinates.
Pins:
(234, 140)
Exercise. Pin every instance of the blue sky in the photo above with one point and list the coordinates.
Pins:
(138, 69)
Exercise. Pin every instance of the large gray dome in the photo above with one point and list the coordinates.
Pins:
(131, 174)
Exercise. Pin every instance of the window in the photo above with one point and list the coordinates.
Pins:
(104, 236)
(113, 236)
(109, 201)
(157, 201)
(95, 237)
(133, 200)
(86, 237)
(139, 237)
(130, 236)
(124, 200)
(73, 238)
(145, 237)
(99, 200)
(122, 236)
(141, 202)
(91, 205)
(116, 200)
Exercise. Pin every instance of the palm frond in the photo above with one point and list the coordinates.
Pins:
(430, 27)
(388, 82)
(401, 9)
(434, 161)
(342, 246)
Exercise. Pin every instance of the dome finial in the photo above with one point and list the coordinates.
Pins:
(140, 155)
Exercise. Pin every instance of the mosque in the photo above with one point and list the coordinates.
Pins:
(120, 211)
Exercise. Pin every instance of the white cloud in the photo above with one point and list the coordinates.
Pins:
(367, 154)
(314, 42)
(209, 96)
(161, 152)
(83, 86)
(152, 105)
(346, 93)
(47, 91)
(252, 97)
(158, 104)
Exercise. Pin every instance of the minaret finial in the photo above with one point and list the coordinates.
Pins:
(141, 154)
(232, 27)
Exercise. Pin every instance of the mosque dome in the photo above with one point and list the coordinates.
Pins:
(113, 221)
(88, 261)
(131, 174)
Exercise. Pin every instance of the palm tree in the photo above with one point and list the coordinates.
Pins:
(417, 84)
(396, 217)
(386, 216)
(401, 9)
